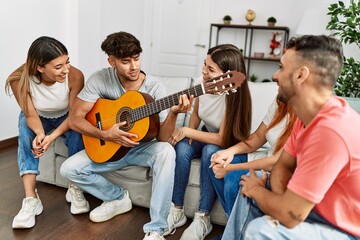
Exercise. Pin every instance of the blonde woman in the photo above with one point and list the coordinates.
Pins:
(44, 88)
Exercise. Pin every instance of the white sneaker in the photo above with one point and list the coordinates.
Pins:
(175, 219)
(153, 236)
(110, 209)
(31, 207)
(75, 196)
(198, 229)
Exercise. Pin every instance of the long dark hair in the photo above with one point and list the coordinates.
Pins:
(238, 105)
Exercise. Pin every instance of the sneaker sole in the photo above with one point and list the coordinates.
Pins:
(121, 210)
(206, 233)
(76, 210)
(31, 222)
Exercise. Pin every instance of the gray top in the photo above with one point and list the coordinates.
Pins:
(105, 84)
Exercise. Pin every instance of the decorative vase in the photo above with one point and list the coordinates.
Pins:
(271, 24)
(227, 22)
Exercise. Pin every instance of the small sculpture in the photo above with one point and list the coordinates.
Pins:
(250, 16)
(275, 44)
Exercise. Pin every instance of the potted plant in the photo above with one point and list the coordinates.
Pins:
(344, 23)
(227, 19)
(253, 78)
(271, 21)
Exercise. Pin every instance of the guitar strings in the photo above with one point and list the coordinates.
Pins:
(150, 108)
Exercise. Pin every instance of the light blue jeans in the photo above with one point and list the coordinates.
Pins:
(160, 156)
(247, 221)
(184, 154)
(28, 164)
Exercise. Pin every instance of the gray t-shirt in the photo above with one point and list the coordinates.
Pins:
(105, 84)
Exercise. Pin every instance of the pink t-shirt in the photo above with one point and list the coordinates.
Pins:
(327, 152)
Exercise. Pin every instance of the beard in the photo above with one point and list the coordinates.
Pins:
(286, 93)
(282, 97)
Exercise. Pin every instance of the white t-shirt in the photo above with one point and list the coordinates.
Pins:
(272, 135)
(50, 101)
(212, 111)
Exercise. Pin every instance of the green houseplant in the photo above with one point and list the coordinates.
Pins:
(345, 23)
(253, 78)
(271, 21)
(227, 19)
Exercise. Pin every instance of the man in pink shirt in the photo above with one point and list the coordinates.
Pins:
(315, 184)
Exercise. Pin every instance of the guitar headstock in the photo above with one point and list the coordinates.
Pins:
(224, 83)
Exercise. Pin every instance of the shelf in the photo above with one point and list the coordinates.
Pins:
(258, 27)
(274, 59)
(248, 40)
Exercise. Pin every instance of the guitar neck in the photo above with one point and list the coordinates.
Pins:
(165, 103)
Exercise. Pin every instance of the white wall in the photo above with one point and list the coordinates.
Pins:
(21, 22)
(82, 25)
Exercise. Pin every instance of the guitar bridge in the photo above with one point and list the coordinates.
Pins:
(99, 126)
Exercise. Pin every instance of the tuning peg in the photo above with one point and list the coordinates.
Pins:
(226, 92)
(233, 90)
(223, 87)
(216, 89)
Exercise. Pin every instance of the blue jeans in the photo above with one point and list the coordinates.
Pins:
(184, 154)
(247, 221)
(159, 156)
(227, 188)
(28, 164)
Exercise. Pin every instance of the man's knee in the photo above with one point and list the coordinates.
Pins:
(165, 152)
(69, 168)
(261, 227)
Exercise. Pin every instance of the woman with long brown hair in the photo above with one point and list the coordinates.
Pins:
(226, 121)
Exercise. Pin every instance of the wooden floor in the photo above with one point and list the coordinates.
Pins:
(56, 221)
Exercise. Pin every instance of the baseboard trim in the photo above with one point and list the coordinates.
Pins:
(10, 142)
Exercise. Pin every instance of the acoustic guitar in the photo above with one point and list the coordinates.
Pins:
(140, 112)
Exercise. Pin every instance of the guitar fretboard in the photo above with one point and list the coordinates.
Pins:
(164, 103)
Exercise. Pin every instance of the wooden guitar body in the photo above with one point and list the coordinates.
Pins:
(106, 113)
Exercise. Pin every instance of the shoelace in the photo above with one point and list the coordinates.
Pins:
(202, 224)
(173, 223)
(29, 204)
(78, 193)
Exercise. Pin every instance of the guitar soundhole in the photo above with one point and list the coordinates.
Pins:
(124, 115)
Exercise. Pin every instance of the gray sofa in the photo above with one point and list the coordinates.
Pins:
(137, 180)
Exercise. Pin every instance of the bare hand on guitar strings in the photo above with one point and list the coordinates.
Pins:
(184, 105)
(115, 134)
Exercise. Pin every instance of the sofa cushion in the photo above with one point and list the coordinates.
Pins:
(135, 173)
(262, 95)
(354, 103)
(60, 147)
